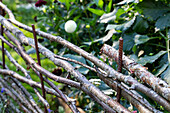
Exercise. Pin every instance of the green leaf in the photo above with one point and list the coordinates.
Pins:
(134, 49)
(96, 11)
(73, 11)
(166, 75)
(80, 59)
(140, 25)
(163, 60)
(67, 3)
(150, 59)
(161, 70)
(108, 8)
(140, 39)
(75, 57)
(31, 51)
(153, 9)
(99, 3)
(128, 40)
(105, 18)
(83, 70)
(163, 22)
(122, 27)
(120, 12)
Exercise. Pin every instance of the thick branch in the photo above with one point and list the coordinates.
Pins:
(68, 82)
(19, 67)
(118, 107)
(110, 71)
(157, 84)
(132, 96)
(140, 104)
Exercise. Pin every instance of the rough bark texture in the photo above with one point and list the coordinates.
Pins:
(141, 72)
(104, 71)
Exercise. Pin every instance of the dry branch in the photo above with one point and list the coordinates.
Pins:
(138, 101)
(157, 84)
(19, 67)
(66, 81)
(110, 71)
(86, 86)
(132, 96)
(22, 101)
(69, 103)
(24, 40)
(4, 98)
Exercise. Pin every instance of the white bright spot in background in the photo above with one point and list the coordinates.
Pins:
(70, 26)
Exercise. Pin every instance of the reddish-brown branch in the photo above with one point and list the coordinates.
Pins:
(38, 58)
(120, 66)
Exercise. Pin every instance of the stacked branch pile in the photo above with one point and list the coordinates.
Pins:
(156, 89)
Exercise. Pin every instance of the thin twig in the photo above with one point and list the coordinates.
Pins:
(75, 61)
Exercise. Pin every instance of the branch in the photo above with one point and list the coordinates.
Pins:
(69, 103)
(110, 71)
(19, 67)
(140, 104)
(4, 98)
(75, 61)
(132, 96)
(68, 82)
(157, 84)
(24, 40)
(16, 96)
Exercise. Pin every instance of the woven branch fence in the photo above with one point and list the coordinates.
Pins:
(10, 81)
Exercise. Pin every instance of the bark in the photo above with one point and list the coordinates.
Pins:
(11, 105)
(24, 40)
(109, 78)
(16, 96)
(110, 71)
(141, 72)
(138, 101)
(66, 81)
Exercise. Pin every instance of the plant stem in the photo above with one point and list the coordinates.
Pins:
(167, 44)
